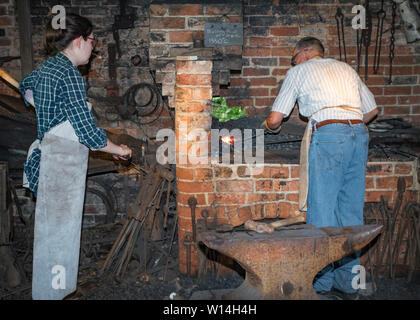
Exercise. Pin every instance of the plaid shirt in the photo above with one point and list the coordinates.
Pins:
(59, 92)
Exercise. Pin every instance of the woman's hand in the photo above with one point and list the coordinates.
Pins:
(124, 153)
(119, 152)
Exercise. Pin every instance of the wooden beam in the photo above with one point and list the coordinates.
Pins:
(3, 188)
(25, 36)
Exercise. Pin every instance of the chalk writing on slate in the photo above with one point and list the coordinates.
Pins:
(219, 34)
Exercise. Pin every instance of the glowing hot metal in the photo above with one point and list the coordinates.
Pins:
(228, 139)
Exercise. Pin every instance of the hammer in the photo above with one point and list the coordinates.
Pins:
(261, 227)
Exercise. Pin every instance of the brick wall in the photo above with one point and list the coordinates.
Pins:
(173, 30)
(382, 179)
(272, 29)
(9, 43)
(103, 91)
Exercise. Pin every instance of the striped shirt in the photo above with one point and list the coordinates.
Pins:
(320, 86)
(59, 93)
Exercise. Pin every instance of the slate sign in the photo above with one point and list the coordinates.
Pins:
(219, 34)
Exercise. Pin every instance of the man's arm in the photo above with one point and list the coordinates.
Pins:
(274, 119)
(367, 117)
(285, 101)
(369, 107)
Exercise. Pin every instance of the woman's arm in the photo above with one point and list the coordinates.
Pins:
(26, 87)
(120, 151)
(74, 93)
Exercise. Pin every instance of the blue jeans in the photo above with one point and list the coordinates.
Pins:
(336, 191)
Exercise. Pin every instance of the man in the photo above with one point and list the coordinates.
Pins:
(338, 104)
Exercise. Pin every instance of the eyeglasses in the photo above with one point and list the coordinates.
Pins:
(94, 41)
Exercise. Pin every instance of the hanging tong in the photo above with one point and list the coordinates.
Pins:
(359, 46)
(122, 21)
(339, 17)
(363, 39)
(379, 30)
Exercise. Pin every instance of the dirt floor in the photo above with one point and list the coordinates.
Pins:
(160, 278)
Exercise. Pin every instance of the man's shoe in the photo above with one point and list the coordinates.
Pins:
(344, 295)
(328, 295)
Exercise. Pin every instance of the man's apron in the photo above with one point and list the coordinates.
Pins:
(303, 171)
(304, 155)
(58, 213)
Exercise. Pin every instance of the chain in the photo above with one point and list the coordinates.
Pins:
(392, 45)
(381, 14)
(368, 37)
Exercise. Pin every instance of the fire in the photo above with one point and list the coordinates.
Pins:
(228, 139)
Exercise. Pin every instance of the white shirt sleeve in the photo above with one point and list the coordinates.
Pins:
(286, 99)
(366, 98)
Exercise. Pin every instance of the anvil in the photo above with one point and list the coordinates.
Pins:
(282, 265)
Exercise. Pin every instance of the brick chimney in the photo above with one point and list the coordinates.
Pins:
(193, 93)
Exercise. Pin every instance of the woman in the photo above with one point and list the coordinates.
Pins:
(57, 162)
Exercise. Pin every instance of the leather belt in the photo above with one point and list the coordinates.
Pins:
(325, 122)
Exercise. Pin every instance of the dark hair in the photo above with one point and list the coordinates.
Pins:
(310, 42)
(57, 39)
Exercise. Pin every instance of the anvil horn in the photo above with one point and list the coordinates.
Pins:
(346, 240)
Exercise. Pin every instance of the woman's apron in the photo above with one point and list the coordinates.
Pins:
(58, 213)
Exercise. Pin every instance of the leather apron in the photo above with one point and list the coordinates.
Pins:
(58, 213)
(303, 171)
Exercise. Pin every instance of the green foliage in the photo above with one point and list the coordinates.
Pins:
(224, 113)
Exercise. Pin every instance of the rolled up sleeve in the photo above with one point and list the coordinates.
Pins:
(286, 99)
(77, 112)
(367, 99)
(28, 83)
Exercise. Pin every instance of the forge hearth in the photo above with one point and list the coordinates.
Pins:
(288, 140)
(390, 139)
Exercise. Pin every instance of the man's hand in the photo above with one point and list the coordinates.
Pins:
(266, 128)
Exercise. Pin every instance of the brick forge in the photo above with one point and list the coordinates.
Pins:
(239, 194)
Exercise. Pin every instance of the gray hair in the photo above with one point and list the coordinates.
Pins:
(310, 42)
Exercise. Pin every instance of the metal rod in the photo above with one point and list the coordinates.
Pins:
(284, 141)
(170, 247)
